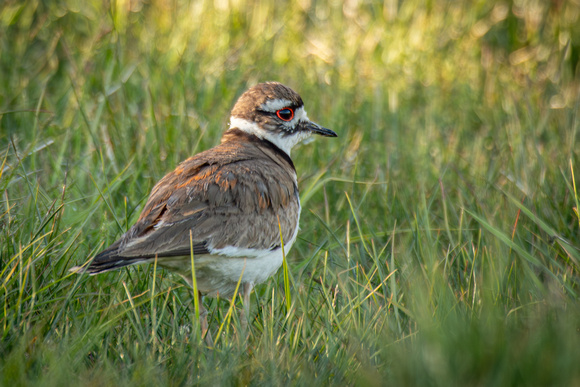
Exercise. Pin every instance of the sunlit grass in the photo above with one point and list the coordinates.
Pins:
(439, 240)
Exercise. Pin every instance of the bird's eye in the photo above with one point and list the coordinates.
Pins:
(285, 114)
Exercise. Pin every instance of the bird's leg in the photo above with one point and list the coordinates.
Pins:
(203, 322)
(246, 291)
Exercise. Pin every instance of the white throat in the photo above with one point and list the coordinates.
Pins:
(283, 142)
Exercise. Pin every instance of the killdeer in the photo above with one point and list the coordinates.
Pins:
(227, 203)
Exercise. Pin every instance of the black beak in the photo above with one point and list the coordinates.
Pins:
(315, 128)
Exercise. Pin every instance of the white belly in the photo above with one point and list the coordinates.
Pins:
(219, 273)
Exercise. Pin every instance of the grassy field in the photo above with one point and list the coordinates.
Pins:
(440, 233)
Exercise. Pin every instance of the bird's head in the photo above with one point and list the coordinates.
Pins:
(274, 112)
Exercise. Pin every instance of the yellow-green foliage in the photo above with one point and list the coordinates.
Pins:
(440, 233)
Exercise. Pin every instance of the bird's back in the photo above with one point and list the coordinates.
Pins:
(226, 202)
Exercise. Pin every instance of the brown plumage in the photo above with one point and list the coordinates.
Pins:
(230, 195)
(228, 202)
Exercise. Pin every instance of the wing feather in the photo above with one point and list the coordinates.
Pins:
(233, 196)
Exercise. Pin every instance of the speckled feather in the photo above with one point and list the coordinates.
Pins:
(229, 196)
(228, 202)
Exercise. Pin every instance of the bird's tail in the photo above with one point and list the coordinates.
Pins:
(105, 261)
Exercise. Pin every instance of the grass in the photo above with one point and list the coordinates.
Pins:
(440, 233)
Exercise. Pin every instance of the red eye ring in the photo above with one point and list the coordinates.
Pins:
(285, 114)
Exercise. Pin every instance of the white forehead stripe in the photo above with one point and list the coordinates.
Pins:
(275, 105)
(300, 115)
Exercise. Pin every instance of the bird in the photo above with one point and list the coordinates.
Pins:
(234, 207)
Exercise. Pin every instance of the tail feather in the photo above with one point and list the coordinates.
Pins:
(106, 261)
(113, 257)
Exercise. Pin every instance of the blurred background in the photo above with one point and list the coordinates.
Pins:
(425, 84)
(440, 231)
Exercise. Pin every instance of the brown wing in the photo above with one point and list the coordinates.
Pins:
(232, 195)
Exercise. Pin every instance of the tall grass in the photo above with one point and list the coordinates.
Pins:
(440, 233)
